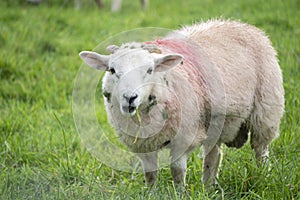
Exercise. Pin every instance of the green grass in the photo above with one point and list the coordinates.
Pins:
(41, 155)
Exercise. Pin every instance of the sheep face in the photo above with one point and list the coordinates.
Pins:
(133, 72)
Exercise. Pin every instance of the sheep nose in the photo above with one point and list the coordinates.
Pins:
(129, 98)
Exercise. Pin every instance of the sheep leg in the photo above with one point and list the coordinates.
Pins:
(178, 171)
(261, 153)
(150, 167)
(99, 3)
(260, 144)
(145, 4)
(116, 5)
(210, 165)
(262, 134)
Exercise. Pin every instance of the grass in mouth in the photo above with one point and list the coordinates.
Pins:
(41, 155)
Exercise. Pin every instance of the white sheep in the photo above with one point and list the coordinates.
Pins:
(206, 84)
(116, 5)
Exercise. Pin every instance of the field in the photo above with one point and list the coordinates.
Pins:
(41, 154)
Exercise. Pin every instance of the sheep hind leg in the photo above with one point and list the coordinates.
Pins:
(260, 144)
(262, 134)
(145, 4)
(99, 3)
(267, 110)
(211, 164)
(116, 5)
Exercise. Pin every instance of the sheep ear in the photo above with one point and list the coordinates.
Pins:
(95, 60)
(166, 62)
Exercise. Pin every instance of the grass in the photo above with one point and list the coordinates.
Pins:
(41, 155)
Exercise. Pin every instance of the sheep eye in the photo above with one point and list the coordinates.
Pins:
(107, 95)
(149, 71)
(112, 70)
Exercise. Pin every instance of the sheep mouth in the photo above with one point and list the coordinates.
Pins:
(129, 109)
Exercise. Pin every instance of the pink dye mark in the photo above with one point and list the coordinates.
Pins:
(187, 49)
(193, 67)
(191, 52)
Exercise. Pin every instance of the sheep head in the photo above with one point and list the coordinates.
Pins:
(132, 71)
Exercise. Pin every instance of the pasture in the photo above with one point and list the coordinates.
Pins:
(41, 155)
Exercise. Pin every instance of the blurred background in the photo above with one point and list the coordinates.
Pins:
(41, 155)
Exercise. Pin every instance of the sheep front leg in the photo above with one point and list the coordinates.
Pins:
(178, 171)
(211, 164)
(145, 4)
(116, 5)
(150, 167)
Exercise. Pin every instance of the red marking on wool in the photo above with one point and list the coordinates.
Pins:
(192, 67)
(187, 49)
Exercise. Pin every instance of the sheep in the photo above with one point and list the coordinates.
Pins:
(207, 84)
(116, 5)
(99, 3)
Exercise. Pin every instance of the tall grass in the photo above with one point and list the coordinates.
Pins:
(41, 155)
